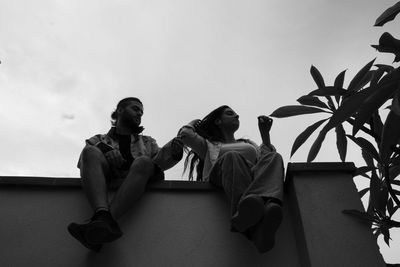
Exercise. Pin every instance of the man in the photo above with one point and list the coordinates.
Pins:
(122, 153)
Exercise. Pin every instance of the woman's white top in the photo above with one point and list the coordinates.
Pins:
(211, 151)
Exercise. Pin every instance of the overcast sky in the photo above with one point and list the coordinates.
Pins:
(65, 65)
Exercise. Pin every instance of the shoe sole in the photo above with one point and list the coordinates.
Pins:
(76, 233)
(264, 236)
(250, 212)
(99, 232)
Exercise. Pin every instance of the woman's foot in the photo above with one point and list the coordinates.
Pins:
(250, 212)
(263, 234)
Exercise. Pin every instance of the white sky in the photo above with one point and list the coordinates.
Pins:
(65, 64)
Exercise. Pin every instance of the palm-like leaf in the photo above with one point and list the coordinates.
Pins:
(304, 136)
(294, 110)
(339, 81)
(361, 78)
(390, 136)
(341, 142)
(366, 146)
(312, 101)
(388, 15)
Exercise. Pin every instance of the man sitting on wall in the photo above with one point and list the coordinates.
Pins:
(122, 153)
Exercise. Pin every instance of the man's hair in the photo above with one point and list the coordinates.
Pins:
(122, 104)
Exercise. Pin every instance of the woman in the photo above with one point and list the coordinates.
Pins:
(251, 176)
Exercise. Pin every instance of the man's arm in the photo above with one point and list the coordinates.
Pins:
(169, 155)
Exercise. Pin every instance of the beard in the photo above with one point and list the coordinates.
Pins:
(132, 124)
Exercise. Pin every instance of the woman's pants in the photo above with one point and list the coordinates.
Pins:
(240, 178)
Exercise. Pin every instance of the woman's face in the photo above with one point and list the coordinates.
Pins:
(229, 120)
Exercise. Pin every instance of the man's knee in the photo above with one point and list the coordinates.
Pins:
(91, 154)
(143, 165)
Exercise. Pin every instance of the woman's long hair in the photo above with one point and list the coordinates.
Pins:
(210, 131)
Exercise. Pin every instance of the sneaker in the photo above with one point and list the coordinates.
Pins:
(249, 213)
(102, 228)
(78, 232)
(263, 234)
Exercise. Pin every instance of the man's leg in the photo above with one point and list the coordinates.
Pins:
(94, 167)
(133, 186)
(93, 173)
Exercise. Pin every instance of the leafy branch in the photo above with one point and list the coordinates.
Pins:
(360, 105)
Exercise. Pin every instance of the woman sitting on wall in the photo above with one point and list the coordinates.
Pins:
(251, 176)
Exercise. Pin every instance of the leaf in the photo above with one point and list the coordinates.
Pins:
(390, 136)
(386, 235)
(363, 170)
(374, 101)
(390, 207)
(388, 15)
(394, 171)
(348, 107)
(361, 215)
(294, 110)
(328, 91)
(377, 126)
(365, 145)
(316, 146)
(396, 103)
(376, 193)
(368, 159)
(386, 68)
(389, 44)
(304, 136)
(319, 80)
(312, 101)
(341, 142)
(363, 192)
(397, 192)
(339, 81)
(360, 79)
(377, 75)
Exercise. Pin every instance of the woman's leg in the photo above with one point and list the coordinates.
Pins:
(268, 178)
(233, 173)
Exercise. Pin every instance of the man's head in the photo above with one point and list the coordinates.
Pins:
(128, 113)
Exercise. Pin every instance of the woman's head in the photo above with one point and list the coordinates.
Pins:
(216, 122)
(212, 127)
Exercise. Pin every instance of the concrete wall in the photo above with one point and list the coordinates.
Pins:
(178, 223)
(174, 224)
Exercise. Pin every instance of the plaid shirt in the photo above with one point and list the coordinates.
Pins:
(141, 145)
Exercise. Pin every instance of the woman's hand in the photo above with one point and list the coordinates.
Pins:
(264, 125)
(194, 123)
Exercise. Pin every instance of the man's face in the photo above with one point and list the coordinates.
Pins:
(131, 114)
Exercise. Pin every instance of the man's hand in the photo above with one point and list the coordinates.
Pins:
(115, 158)
(264, 125)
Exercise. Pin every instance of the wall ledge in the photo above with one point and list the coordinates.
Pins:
(31, 181)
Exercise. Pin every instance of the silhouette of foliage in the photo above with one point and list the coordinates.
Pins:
(375, 88)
